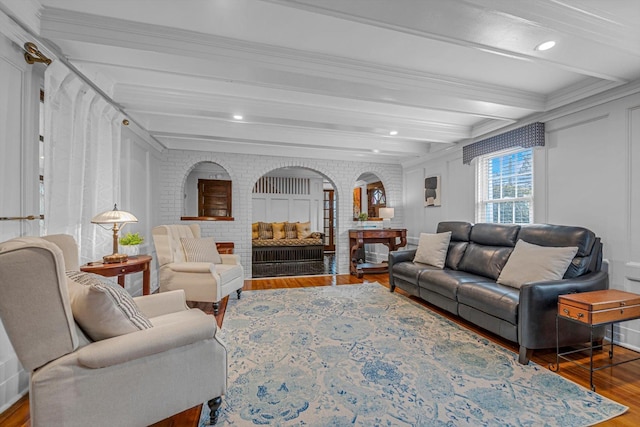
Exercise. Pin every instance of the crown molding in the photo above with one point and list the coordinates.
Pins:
(27, 12)
(248, 147)
(611, 95)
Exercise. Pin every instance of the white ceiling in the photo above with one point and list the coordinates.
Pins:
(332, 77)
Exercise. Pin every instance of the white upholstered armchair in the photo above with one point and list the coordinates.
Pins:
(170, 361)
(193, 264)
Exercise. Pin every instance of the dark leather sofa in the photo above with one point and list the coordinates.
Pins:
(467, 285)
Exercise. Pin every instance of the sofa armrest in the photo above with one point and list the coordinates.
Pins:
(162, 303)
(230, 259)
(538, 307)
(140, 344)
(189, 267)
(397, 257)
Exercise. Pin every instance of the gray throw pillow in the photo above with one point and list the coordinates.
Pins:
(532, 263)
(432, 249)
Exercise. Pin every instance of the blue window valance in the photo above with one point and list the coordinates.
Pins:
(527, 136)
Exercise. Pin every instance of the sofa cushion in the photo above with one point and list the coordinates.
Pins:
(497, 300)
(254, 231)
(532, 263)
(409, 271)
(265, 231)
(304, 229)
(278, 230)
(432, 249)
(483, 260)
(201, 249)
(460, 230)
(290, 230)
(455, 254)
(103, 309)
(446, 282)
(495, 234)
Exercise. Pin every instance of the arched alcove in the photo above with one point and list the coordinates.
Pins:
(296, 195)
(207, 193)
(369, 195)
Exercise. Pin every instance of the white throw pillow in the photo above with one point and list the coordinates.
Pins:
(432, 249)
(102, 309)
(532, 263)
(201, 249)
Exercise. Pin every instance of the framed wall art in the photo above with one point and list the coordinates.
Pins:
(432, 191)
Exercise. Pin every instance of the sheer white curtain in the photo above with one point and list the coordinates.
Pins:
(82, 160)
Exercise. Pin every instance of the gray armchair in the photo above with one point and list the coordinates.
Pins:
(134, 379)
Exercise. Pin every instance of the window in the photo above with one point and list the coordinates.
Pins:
(376, 199)
(505, 187)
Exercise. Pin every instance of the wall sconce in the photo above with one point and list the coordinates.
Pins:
(119, 219)
(386, 214)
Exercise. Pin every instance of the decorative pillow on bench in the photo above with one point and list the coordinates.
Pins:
(283, 231)
(532, 263)
(278, 230)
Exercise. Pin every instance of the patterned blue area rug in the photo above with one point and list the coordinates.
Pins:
(360, 355)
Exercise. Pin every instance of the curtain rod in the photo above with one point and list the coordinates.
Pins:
(60, 57)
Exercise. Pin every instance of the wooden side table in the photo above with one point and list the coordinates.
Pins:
(595, 309)
(386, 236)
(135, 264)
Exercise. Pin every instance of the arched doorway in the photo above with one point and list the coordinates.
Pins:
(293, 197)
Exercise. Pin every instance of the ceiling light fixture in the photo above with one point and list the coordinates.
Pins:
(545, 46)
(393, 133)
(375, 150)
(238, 117)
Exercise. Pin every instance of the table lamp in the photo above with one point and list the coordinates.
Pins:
(386, 214)
(119, 219)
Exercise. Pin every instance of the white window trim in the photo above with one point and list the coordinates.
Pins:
(482, 184)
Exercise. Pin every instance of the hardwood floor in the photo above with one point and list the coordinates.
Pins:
(620, 383)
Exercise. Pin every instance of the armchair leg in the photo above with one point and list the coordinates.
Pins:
(214, 407)
(216, 308)
(239, 291)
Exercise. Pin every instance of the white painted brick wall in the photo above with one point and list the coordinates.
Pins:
(245, 171)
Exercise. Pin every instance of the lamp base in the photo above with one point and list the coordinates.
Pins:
(114, 258)
(386, 223)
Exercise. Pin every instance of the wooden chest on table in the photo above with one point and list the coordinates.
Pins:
(599, 307)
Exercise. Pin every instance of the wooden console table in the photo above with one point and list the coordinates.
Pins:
(387, 236)
(134, 264)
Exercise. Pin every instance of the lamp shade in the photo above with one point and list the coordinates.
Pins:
(386, 213)
(119, 219)
(113, 216)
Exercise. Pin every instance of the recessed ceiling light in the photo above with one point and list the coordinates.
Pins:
(393, 133)
(375, 150)
(546, 45)
(238, 117)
